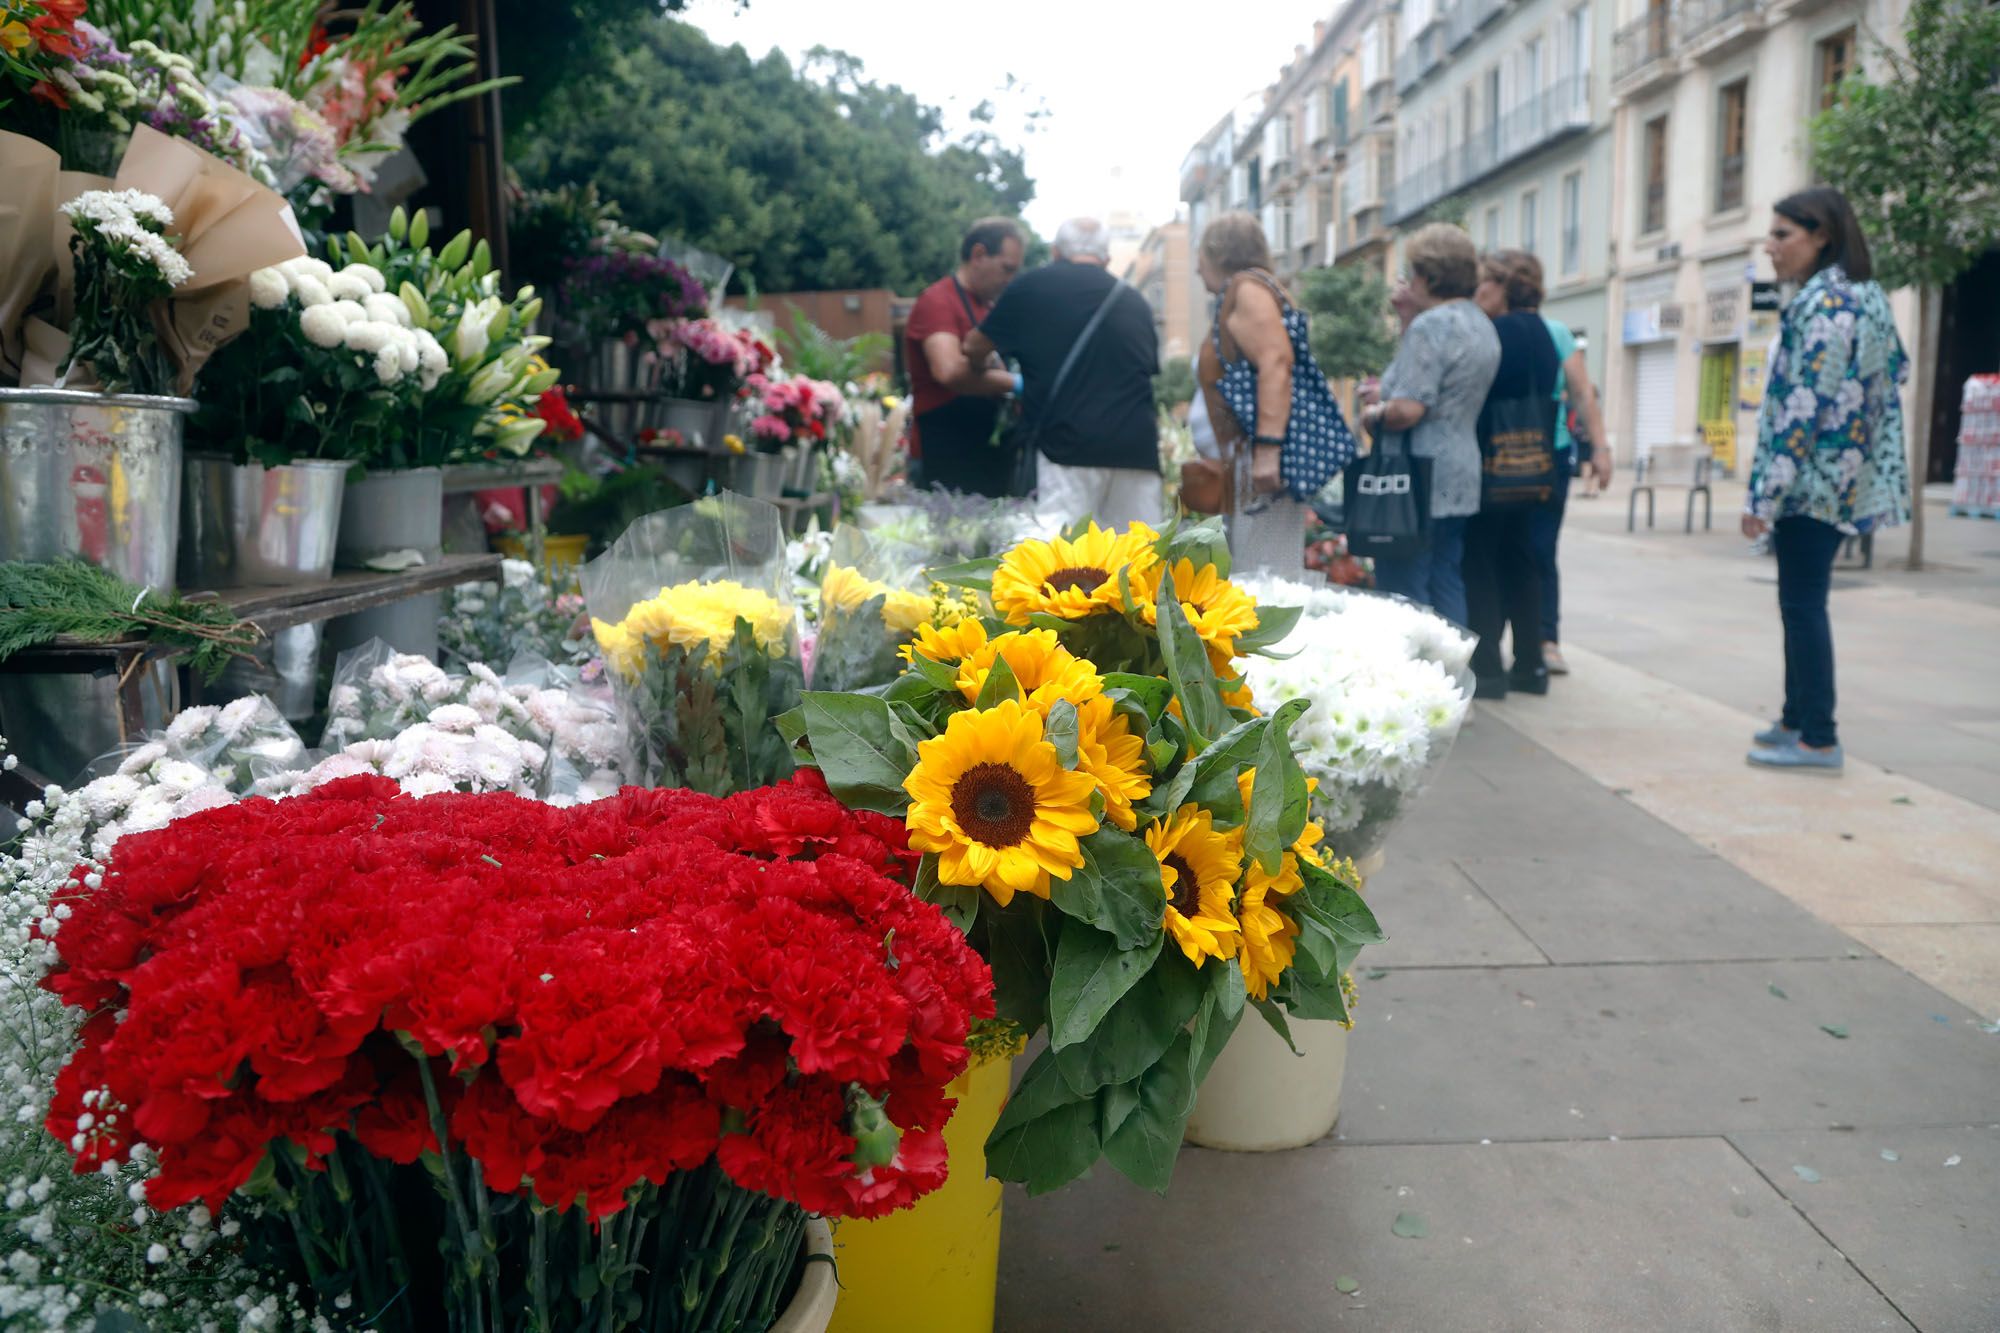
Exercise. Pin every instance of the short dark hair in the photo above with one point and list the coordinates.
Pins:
(1519, 273)
(990, 235)
(1824, 211)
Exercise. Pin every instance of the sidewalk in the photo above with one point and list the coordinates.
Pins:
(1595, 1059)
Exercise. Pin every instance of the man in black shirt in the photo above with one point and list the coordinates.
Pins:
(1097, 433)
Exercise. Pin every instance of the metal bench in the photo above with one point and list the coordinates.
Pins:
(1693, 461)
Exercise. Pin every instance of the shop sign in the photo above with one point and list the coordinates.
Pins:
(1652, 323)
(1722, 314)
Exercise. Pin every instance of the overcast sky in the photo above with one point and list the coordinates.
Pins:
(1128, 85)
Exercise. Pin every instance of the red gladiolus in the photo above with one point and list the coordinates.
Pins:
(601, 996)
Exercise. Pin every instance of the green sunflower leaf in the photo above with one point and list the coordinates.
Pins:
(1188, 668)
(1148, 1141)
(1017, 949)
(862, 748)
(1221, 1011)
(959, 902)
(1334, 902)
(1278, 795)
(941, 678)
(1138, 1029)
(1060, 731)
(1306, 998)
(975, 574)
(1202, 543)
(1130, 902)
(1000, 685)
(1151, 691)
(1274, 1014)
(1091, 975)
(1274, 623)
(1047, 1136)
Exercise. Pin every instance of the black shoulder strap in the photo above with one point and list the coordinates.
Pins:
(1082, 341)
(964, 300)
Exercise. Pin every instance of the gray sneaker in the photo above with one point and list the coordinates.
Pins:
(1775, 735)
(1799, 758)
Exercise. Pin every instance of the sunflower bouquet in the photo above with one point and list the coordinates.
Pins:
(1125, 839)
(690, 608)
(873, 596)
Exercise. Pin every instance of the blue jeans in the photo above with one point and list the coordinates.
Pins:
(1805, 548)
(1547, 526)
(1436, 577)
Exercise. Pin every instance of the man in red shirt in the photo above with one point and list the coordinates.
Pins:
(957, 402)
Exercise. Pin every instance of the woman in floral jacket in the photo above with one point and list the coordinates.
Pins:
(1830, 458)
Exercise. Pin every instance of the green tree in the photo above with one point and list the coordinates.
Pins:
(809, 180)
(1174, 384)
(1349, 305)
(1916, 150)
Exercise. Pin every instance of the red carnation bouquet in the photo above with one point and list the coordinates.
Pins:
(489, 1064)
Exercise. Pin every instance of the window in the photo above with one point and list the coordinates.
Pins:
(1531, 203)
(1576, 42)
(1339, 116)
(1572, 224)
(1653, 203)
(1531, 67)
(1731, 110)
(1835, 62)
(1493, 228)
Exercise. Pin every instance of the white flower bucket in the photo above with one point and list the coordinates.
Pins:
(1259, 1097)
(811, 1307)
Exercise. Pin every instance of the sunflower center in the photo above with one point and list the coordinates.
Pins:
(1187, 890)
(994, 804)
(1081, 578)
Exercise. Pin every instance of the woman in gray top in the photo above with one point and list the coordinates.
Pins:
(1434, 390)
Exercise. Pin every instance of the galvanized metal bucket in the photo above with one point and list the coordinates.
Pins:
(701, 423)
(97, 476)
(247, 525)
(93, 475)
(385, 512)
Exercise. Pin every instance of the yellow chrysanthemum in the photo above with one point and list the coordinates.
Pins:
(1108, 751)
(992, 800)
(905, 611)
(1071, 579)
(1270, 938)
(691, 615)
(844, 590)
(1219, 610)
(1199, 866)
(949, 644)
(1045, 669)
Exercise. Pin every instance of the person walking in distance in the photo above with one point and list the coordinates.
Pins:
(1434, 389)
(1830, 459)
(1512, 280)
(1088, 352)
(956, 399)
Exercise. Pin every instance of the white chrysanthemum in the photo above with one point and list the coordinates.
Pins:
(108, 796)
(385, 309)
(373, 752)
(367, 335)
(311, 291)
(188, 726)
(367, 275)
(179, 776)
(426, 784)
(322, 325)
(516, 573)
(269, 290)
(455, 718)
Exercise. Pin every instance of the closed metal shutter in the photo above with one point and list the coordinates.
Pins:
(1653, 413)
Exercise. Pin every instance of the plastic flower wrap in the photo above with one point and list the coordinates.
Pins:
(495, 622)
(1391, 688)
(1122, 837)
(488, 1064)
(873, 597)
(691, 608)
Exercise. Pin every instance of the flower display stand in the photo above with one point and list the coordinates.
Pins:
(933, 1266)
(1259, 1097)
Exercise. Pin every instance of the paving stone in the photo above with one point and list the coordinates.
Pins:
(1457, 1055)
(1649, 909)
(1926, 1234)
(1436, 917)
(1564, 1237)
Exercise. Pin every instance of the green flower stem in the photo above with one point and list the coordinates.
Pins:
(468, 1321)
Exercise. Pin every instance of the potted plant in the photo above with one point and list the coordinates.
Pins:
(702, 367)
(793, 417)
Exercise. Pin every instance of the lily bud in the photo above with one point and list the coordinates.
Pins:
(399, 223)
(454, 250)
(420, 230)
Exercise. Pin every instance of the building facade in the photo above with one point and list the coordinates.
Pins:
(1161, 271)
(1504, 124)
(1712, 102)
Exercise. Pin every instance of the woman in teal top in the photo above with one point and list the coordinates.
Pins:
(1830, 457)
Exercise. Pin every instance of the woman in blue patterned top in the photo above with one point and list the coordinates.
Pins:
(1829, 451)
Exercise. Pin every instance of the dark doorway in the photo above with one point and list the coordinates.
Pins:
(1968, 344)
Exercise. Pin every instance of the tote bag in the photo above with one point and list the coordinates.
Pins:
(1387, 502)
(1517, 450)
(1318, 442)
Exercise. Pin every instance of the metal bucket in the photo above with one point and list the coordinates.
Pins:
(702, 423)
(97, 476)
(93, 475)
(386, 512)
(759, 475)
(246, 525)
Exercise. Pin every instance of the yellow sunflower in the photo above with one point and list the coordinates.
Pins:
(992, 800)
(1046, 670)
(949, 644)
(1108, 751)
(1270, 938)
(1219, 610)
(1198, 867)
(1071, 579)
(690, 615)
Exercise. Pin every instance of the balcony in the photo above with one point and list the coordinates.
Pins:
(1642, 53)
(1464, 18)
(1711, 29)
(1196, 180)
(1419, 58)
(1548, 117)
(1377, 106)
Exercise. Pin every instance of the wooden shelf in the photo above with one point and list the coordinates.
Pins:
(492, 476)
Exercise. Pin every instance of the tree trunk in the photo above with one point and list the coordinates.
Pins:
(1930, 311)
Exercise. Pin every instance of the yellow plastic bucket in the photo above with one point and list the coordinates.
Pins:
(562, 552)
(932, 1268)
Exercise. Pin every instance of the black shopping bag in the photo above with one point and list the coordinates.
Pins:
(1387, 502)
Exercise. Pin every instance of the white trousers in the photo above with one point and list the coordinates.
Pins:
(1114, 496)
